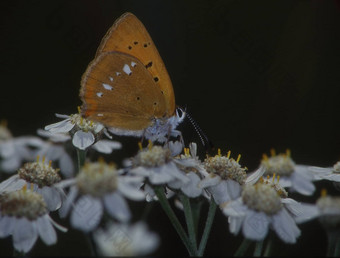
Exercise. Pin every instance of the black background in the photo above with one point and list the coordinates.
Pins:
(255, 75)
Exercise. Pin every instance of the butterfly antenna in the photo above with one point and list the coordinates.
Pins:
(206, 142)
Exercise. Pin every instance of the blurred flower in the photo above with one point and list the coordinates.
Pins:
(331, 173)
(84, 132)
(296, 177)
(157, 165)
(262, 206)
(226, 177)
(24, 216)
(55, 149)
(126, 240)
(99, 185)
(15, 150)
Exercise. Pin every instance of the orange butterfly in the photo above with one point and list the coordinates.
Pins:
(127, 87)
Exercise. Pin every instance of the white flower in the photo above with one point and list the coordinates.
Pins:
(193, 168)
(225, 177)
(54, 149)
(326, 208)
(15, 150)
(262, 206)
(296, 177)
(96, 187)
(24, 216)
(126, 240)
(330, 173)
(157, 165)
(40, 178)
(83, 131)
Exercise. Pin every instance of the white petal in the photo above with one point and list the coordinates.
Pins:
(255, 225)
(255, 176)
(307, 212)
(160, 175)
(235, 208)
(87, 213)
(235, 224)
(13, 183)
(143, 241)
(175, 147)
(82, 140)
(117, 206)
(302, 185)
(46, 231)
(192, 188)
(52, 198)
(106, 146)
(220, 192)
(234, 189)
(67, 204)
(285, 227)
(24, 235)
(131, 192)
(60, 127)
(6, 226)
(210, 181)
(11, 164)
(66, 165)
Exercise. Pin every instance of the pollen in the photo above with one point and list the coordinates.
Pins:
(153, 156)
(82, 123)
(39, 173)
(261, 197)
(280, 164)
(226, 168)
(23, 203)
(97, 178)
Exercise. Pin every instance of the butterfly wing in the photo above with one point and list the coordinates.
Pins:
(118, 91)
(128, 35)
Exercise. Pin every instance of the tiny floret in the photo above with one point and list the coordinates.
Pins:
(226, 168)
(261, 197)
(97, 179)
(23, 203)
(280, 164)
(39, 173)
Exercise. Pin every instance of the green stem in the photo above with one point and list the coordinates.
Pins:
(81, 158)
(333, 243)
(268, 250)
(258, 248)
(189, 220)
(243, 247)
(207, 228)
(196, 210)
(159, 191)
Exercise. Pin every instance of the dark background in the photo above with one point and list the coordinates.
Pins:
(255, 75)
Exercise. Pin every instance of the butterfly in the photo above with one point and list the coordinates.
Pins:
(127, 87)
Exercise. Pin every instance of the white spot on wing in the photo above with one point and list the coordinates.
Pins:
(118, 73)
(100, 94)
(127, 69)
(107, 86)
(133, 64)
(100, 115)
(111, 78)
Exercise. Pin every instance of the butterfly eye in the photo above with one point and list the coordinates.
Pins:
(156, 79)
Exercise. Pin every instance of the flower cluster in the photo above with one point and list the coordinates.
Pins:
(96, 195)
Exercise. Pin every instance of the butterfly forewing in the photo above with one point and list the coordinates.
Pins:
(118, 91)
(128, 35)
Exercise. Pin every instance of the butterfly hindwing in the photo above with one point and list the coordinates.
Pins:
(128, 35)
(118, 91)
